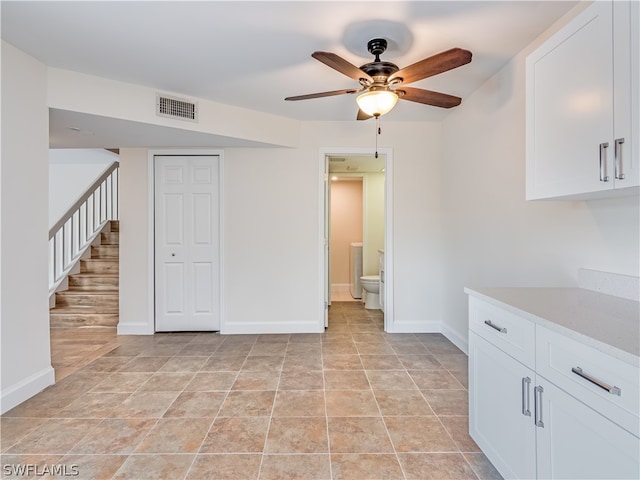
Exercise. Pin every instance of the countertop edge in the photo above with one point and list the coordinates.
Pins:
(614, 351)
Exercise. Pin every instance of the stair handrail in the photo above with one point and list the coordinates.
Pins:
(72, 235)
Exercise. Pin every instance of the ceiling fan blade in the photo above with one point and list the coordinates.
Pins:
(439, 63)
(429, 97)
(362, 115)
(341, 65)
(323, 94)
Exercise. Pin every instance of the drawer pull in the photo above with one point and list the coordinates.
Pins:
(526, 382)
(537, 406)
(612, 390)
(495, 327)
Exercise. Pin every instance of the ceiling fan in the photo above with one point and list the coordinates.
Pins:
(383, 83)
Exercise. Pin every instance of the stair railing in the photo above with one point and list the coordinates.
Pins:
(76, 230)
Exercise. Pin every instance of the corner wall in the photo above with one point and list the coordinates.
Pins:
(24, 312)
(492, 236)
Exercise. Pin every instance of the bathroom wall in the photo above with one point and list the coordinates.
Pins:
(346, 225)
(374, 221)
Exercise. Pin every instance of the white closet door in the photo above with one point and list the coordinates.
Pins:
(187, 243)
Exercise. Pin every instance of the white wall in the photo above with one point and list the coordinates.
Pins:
(71, 171)
(373, 234)
(492, 235)
(271, 221)
(24, 311)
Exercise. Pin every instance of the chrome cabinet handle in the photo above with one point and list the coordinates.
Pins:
(603, 162)
(537, 406)
(495, 327)
(612, 390)
(526, 382)
(619, 174)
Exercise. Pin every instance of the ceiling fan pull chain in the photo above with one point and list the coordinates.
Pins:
(377, 132)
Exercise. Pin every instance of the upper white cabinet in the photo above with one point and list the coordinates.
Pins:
(582, 102)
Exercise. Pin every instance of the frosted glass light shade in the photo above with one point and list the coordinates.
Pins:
(377, 102)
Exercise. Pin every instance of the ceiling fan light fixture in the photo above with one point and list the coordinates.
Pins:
(377, 102)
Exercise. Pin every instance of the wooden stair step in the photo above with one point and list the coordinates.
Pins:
(86, 299)
(99, 265)
(94, 282)
(58, 318)
(105, 251)
(112, 238)
(114, 225)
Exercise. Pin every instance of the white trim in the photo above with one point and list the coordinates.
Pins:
(149, 329)
(260, 327)
(455, 338)
(388, 226)
(26, 388)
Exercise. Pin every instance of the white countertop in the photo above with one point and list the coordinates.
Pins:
(610, 324)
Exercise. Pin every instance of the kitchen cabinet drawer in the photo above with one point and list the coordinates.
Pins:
(512, 334)
(608, 385)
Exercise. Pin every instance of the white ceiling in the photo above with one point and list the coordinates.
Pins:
(254, 54)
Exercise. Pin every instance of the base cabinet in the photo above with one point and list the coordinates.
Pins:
(500, 420)
(577, 442)
(529, 427)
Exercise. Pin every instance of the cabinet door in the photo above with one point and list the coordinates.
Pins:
(577, 442)
(570, 108)
(497, 399)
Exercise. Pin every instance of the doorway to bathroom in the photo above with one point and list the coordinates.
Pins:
(357, 217)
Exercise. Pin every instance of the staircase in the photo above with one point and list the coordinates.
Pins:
(92, 297)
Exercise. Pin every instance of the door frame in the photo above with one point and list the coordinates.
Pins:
(151, 277)
(323, 177)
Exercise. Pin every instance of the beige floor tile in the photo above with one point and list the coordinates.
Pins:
(184, 364)
(144, 364)
(299, 403)
(154, 467)
(225, 467)
(236, 435)
(435, 380)
(353, 466)
(297, 362)
(241, 403)
(288, 467)
(256, 381)
(114, 436)
(56, 436)
(351, 403)
(390, 380)
(436, 466)
(263, 363)
(482, 466)
(167, 382)
(346, 380)
(381, 362)
(358, 435)
(419, 434)
(419, 362)
(448, 402)
(196, 404)
(297, 435)
(144, 405)
(175, 435)
(12, 429)
(458, 428)
(32, 466)
(211, 381)
(91, 466)
(93, 405)
(224, 362)
(341, 362)
(402, 403)
(301, 380)
(122, 382)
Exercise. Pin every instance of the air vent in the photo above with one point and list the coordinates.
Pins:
(176, 108)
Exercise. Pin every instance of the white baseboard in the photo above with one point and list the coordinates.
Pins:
(265, 328)
(25, 389)
(400, 326)
(135, 329)
(455, 338)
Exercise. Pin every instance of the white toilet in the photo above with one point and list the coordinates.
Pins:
(371, 286)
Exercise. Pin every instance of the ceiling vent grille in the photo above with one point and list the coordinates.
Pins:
(176, 108)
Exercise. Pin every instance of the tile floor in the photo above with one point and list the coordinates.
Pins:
(351, 403)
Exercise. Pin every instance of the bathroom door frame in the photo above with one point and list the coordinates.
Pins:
(323, 245)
